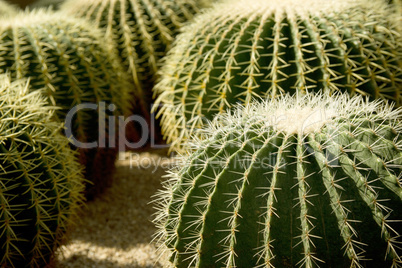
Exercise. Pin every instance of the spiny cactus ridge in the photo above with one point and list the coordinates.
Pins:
(72, 61)
(302, 181)
(241, 49)
(143, 31)
(41, 183)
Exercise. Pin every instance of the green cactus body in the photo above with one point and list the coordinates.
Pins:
(242, 49)
(142, 30)
(41, 183)
(301, 181)
(73, 63)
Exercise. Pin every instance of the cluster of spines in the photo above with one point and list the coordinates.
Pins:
(41, 184)
(238, 51)
(305, 206)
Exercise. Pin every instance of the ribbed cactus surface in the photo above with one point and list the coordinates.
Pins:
(41, 183)
(242, 49)
(143, 31)
(291, 182)
(67, 57)
(70, 59)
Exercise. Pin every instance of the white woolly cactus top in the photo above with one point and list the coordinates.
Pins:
(244, 194)
(300, 114)
(240, 50)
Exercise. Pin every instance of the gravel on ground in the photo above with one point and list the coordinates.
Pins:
(116, 229)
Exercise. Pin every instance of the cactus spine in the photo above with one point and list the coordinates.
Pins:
(242, 49)
(142, 30)
(40, 179)
(300, 181)
(72, 61)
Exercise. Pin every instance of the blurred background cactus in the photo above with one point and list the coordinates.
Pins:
(245, 49)
(41, 184)
(142, 31)
(54, 4)
(294, 181)
(397, 5)
(69, 58)
(7, 8)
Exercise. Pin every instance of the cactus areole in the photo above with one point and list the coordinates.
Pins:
(244, 49)
(292, 182)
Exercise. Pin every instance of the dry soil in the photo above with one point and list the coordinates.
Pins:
(115, 229)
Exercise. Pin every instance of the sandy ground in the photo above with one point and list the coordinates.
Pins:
(116, 229)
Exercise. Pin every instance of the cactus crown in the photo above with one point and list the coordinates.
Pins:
(240, 50)
(40, 180)
(252, 193)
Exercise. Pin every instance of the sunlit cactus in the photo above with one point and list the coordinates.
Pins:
(41, 182)
(70, 59)
(243, 49)
(302, 181)
(142, 30)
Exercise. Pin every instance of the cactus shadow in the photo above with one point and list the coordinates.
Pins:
(118, 224)
(80, 259)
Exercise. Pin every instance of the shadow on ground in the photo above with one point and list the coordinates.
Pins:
(116, 229)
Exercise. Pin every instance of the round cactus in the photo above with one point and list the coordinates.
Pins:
(41, 185)
(73, 63)
(242, 49)
(142, 30)
(298, 181)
